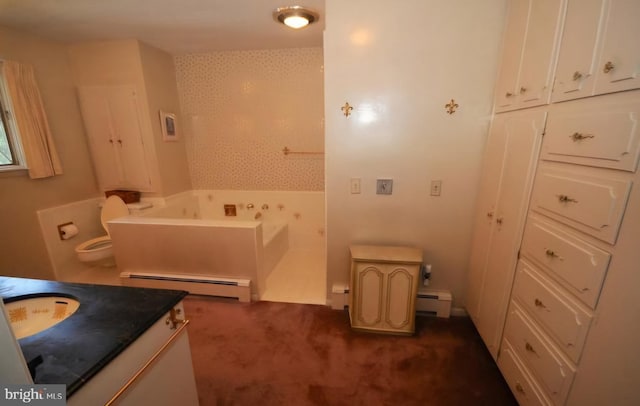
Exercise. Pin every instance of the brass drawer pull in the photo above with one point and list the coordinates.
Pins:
(551, 253)
(608, 67)
(566, 199)
(577, 75)
(530, 348)
(539, 304)
(508, 94)
(579, 136)
(519, 388)
(499, 220)
(490, 214)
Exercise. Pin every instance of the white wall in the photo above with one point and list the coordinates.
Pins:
(399, 66)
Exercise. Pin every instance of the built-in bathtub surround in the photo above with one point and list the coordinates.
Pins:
(241, 108)
(190, 235)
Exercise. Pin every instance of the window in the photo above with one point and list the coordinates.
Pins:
(11, 156)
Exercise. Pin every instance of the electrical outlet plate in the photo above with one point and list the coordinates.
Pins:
(384, 186)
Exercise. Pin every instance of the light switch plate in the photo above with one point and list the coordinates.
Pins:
(384, 186)
(355, 186)
(436, 187)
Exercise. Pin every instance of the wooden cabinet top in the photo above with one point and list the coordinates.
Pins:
(388, 254)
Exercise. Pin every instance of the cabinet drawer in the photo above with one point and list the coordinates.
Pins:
(607, 137)
(591, 204)
(579, 264)
(563, 319)
(521, 383)
(554, 373)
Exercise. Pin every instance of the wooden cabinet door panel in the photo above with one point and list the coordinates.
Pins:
(370, 285)
(619, 67)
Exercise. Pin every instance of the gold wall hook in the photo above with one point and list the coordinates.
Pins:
(451, 106)
(346, 109)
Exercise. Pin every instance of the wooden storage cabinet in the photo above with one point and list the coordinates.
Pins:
(529, 53)
(599, 50)
(113, 119)
(509, 164)
(590, 201)
(384, 286)
(578, 265)
(551, 369)
(522, 384)
(599, 131)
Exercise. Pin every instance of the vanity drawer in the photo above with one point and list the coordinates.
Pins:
(522, 385)
(589, 203)
(581, 265)
(596, 135)
(554, 372)
(563, 319)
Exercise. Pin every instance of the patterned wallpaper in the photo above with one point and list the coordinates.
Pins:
(241, 108)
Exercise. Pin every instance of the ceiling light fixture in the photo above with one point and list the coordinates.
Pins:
(295, 17)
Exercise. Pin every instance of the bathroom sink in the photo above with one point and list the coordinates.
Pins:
(31, 315)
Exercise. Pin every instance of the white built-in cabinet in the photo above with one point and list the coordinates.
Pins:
(600, 50)
(561, 311)
(113, 118)
(384, 286)
(510, 157)
(529, 53)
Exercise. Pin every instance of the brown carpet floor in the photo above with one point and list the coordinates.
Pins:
(268, 353)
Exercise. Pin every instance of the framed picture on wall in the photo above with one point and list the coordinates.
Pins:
(169, 126)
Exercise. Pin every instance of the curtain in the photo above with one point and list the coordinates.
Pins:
(31, 119)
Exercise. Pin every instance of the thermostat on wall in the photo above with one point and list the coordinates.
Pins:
(384, 186)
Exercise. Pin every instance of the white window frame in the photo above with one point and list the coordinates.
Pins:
(12, 129)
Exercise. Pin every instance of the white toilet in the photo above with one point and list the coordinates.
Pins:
(99, 250)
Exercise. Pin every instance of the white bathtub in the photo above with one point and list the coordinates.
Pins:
(175, 240)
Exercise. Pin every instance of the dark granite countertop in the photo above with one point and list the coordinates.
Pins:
(108, 320)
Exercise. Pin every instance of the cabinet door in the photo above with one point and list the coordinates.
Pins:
(513, 40)
(619, 67)
(401, 296)
(538, 56)
(368, 291)
(577, 61)
(112, 117)
(98, 122)
(485, 212)
(523, 134)
(126, 113)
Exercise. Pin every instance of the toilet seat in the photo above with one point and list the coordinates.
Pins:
(94, 244)
(100, 248)
(113, 208)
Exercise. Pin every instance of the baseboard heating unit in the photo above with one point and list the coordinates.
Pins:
(437, 302)
(193, 283)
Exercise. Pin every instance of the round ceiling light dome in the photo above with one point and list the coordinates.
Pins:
(295, 16)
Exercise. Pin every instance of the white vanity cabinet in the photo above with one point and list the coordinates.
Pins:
(156, 369)
(509, 164)
(384, 286)
(600, 50)
(529, 52)
(114, 121)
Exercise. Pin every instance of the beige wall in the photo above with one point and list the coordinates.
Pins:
(243, 107)
(129, 62)
(399, 66)
(22, 249)
(162, 94)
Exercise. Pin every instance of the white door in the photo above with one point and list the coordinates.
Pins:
(523, 139)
